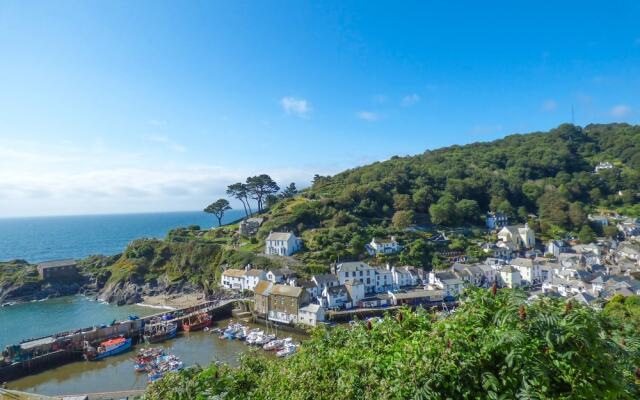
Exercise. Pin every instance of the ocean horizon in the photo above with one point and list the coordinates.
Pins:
(42, 238)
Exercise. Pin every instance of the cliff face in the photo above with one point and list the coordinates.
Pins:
(130, 292)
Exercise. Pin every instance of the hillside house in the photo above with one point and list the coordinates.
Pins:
(311, 315)
(349, 271)
(285, 302)
(520, 236)
(383, 246)
(233, 279)
(497, 220)
(603, 166)
(261, 297)
(529, 270)
(281, 244)
(508, 276)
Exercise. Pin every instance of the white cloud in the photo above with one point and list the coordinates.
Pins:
(164, 140)
(410, 100)
(292, 105)
(368, 115)
(549, 105)
(620, 110)
(58, 179)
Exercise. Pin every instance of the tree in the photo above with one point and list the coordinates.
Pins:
(577, 216)
(402, 202)
(289, 191)
(218, 208)
(403, 218)
(468, 210)
(586, 234)
(259, 187)
(240, 191)
(444, 211)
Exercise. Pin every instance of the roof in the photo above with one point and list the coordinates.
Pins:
(279, 236)
(416, 294)
(311, 308)
(522, 262)
(236, 273)
(57, 263)
(352, 266)
(254, 272)
(263, 288)
(508, 268)
(324, 278)
(287, 290)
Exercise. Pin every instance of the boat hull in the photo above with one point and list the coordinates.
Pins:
(197, 326)
(161, 338)
(126, 346)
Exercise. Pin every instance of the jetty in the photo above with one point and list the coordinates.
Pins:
(39, 354)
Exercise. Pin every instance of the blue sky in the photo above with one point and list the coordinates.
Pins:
(124, 106)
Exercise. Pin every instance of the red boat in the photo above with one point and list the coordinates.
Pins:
(197, 322)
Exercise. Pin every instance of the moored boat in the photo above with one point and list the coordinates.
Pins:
(107, 348)
(160, 332)
(199, 321)
(288, 350)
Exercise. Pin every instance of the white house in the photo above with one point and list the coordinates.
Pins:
(275, 276)
(529, 270)
(233, 279)
(383, 280)
(336, 297)
(521, 236)
(311, 314)
(508, 276)
(356, 291)
(349, 271)
(281, 244)
(252, 277)
(383, 246)
(402, 276)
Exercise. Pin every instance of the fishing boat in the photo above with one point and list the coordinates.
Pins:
(107, 348)
(146, 357)
(288, 350)
(162, 365)
(160, 332)
(199, 321)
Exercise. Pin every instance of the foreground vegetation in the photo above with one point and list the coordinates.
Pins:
(493, 347)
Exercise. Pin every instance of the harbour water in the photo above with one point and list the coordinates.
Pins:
(116, 373)
(48, 238)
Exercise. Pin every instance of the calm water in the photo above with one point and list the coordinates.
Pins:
(49, 238)
(116, 373)
(37, 319)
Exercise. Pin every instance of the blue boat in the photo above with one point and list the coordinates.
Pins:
(109, 348)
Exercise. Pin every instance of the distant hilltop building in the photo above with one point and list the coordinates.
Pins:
(603, 165)
(281, 244)
(383, 246)
(57, 269)
(497, 220)
(250, 226)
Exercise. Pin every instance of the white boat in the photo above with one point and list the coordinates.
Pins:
(287, 350)
(264, 339)
(274, 345)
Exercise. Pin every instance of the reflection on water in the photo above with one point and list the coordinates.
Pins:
(116, 373)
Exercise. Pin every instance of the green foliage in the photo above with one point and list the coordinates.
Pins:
(491, 348)
(547, 174)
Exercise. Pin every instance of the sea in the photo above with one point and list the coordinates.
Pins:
(49, 238)
(37, 239)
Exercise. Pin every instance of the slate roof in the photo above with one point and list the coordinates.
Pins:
(57, 263)
(236, 273)
(279, 236)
